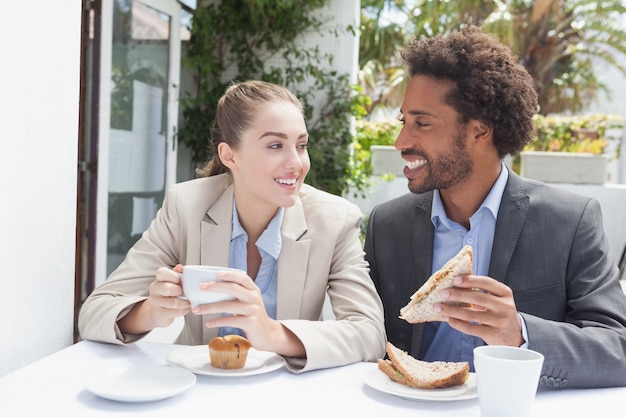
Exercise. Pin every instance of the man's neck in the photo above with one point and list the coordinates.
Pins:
(463, 200)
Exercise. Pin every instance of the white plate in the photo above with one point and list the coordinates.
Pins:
(139, 383)
(379, 381)
(197, 360)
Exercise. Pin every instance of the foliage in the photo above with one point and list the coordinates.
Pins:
(370, 133)
(590, 133)
(587, 134)
(239, 40)
(381, 75)
(332, 168)
(560, 42)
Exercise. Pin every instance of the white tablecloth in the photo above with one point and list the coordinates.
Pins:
(53, 387)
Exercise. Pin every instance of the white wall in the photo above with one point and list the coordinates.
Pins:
(39, 86)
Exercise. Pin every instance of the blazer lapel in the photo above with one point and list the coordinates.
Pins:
(216, 231)
(292, 262)
(511, 218)
(215, 242)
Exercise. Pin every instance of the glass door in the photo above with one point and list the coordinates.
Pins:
(140, 69)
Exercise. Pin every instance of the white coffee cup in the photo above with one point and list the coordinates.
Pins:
(507, 379)
(193, 275)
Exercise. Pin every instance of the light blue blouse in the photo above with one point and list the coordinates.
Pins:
(269, 245)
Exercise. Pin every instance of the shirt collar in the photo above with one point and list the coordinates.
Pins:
(270, 240)
(491, 202)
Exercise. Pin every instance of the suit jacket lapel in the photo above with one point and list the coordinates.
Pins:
(292, 263)
(511, 218)
(423, 237)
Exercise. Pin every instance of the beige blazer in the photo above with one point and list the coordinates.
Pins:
(321, 253)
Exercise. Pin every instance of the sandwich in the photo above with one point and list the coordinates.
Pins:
(420, 307)
(406, 370)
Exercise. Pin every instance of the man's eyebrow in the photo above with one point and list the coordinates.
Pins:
(418, 113)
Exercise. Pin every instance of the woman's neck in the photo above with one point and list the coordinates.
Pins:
(254, 216)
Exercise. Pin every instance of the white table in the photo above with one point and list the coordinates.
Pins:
(52, 387)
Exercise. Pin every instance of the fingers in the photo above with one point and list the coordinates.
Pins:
(236, 284)
(236, 277)
(165, 274)
(248, 302)
(488, 309)
(166, 288)
(482, 284)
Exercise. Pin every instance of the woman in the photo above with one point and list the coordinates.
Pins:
(252, 212)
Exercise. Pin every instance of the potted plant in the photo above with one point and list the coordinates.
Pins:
(373, 147)
(572, 149)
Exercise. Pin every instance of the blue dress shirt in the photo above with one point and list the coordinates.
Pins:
(441, 342)
(269, 245)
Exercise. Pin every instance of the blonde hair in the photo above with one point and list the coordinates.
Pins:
(236, 111)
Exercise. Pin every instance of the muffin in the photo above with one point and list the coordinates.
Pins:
(229, 352)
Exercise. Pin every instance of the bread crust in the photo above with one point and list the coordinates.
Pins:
(420, 307)
(406, 370)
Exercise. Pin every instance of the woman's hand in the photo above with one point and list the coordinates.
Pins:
(248, 313)
(161, 307)
(492, 314)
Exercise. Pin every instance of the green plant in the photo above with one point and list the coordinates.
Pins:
(369, 133)
(238, 40)
(561, 43)
(583, 133)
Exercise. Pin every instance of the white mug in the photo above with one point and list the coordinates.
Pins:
(507, 379)
(193, 275)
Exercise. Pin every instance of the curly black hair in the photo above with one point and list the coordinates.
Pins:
(490, 84)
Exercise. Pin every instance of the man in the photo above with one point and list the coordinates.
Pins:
(543, 276)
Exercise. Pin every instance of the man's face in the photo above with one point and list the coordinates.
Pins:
(432, 141)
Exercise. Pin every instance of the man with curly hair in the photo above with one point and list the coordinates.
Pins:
(543, 275)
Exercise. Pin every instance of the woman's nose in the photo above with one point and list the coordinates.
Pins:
(294, 159)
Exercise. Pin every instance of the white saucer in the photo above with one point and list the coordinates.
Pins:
(197, 360)
(139, 383)
(380, 382)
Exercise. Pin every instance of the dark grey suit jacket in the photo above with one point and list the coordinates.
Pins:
(549, 248)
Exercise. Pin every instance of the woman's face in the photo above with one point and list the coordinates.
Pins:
(272, 160)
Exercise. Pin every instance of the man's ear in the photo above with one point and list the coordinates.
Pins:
(226, 155)
(481, 131)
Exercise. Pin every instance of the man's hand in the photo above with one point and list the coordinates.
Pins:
(491, 314)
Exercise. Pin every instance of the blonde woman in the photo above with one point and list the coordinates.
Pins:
(251, 211)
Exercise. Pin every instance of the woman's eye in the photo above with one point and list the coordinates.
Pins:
(275, 145)
(402, 121)
(303, 146)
